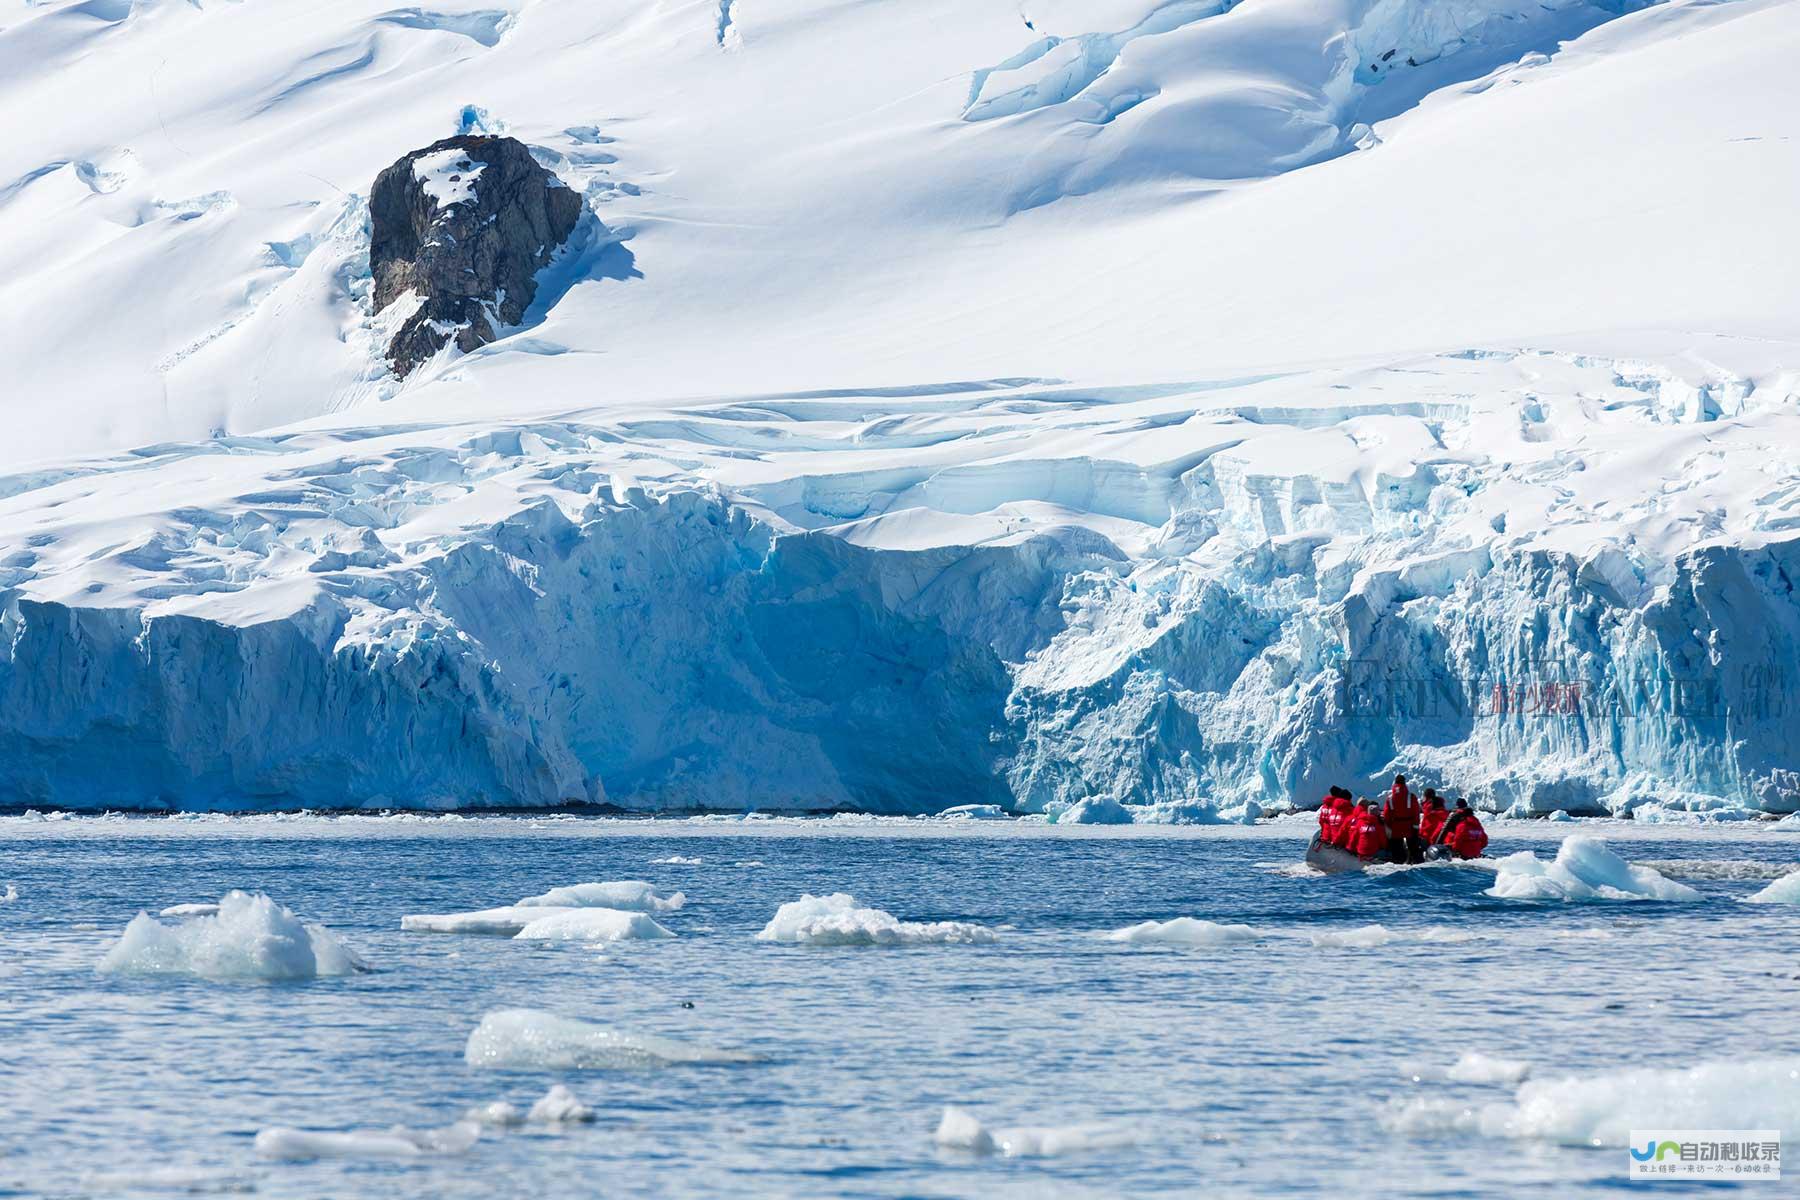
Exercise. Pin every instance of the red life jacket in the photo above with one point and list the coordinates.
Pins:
(1346, 823)
(1401, 813)
(1369, 839)
(1470, 839)
(1431, 823)
(1327, 816)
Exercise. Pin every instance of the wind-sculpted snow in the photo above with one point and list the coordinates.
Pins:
(1183, 603)
(247, 937)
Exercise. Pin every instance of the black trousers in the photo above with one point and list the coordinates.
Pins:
(1409, 848)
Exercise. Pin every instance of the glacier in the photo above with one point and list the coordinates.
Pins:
(1126, 411)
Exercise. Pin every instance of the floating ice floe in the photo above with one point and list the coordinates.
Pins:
(172, 1180)
(835, 920)
(593, 925)
(1364, 937)
(558, 1106)
(1470, 1068)
(1602, 1109)
(507, 921)
(632, 895)
(1584, 869)
(1785, 890)
(529, 1039)
(974, 812)
(250, 937)
(11, 894)
(190, 910)
(960, 1130)
(676, 860)
(1183, 931)
(299, 1145)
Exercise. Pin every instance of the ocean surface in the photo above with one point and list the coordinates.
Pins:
(1267, 1066)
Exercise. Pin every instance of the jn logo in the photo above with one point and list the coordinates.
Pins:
(1655, 1151)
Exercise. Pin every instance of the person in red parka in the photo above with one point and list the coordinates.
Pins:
(1329, 816)
(1432, 818)
(1368, 836)
(1401, 816)
(1467, 839)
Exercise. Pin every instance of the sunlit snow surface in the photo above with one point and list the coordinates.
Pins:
(1095, 1067)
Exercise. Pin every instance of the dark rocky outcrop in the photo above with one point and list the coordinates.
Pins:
(466, 224)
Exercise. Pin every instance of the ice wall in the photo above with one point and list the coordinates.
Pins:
(677, 651)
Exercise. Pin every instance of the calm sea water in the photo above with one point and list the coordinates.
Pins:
(1259, 1068)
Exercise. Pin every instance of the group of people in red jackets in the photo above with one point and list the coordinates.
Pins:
(1406, 829)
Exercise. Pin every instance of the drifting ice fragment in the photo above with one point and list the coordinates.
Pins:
(529, 1039)
(835, 920)
(250, 937)
(1785, 890)
(960, 1130)
(298, 1145)
(1584, 869)
(1183, 931)
(632, 895)
(593, 925)
(493, 922)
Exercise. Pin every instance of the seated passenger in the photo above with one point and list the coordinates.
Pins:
(1431, 821)
(1369, 835)
(1469, 838)
(1346, 830)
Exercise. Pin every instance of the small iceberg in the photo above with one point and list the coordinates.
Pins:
(301, 1145)
(1584, 869)
(676, 860)
(1183, 931)
(631, 895)
(1785, 890)
(1472, 1067)
(249, 937)
(529, 1039)
(508, 921)
(559, 1106)
(835, 920)
(974, 812)
(593, 925)
(1603, 1109)
(960, 1130)
(190, 910)
(11, 893)
(1364, 937)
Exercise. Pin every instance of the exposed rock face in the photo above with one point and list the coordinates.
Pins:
(465, 224)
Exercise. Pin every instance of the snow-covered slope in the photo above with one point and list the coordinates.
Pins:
(1169, 405)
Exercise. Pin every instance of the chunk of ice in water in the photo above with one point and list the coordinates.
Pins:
(1603, 1109)
(299, 1145)
(1472, 1067)
(1364, 937)
(250, 937)
(632, 895)
(593, 925)
(835, 920)
(529, 1039)
(960, 1130)
(559, 1106)
(508, 921)
(1785, 890)
(1183, 931)
(189, 910)
(1584, 869)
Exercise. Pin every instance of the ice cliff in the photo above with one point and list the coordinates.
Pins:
(1216, 600)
